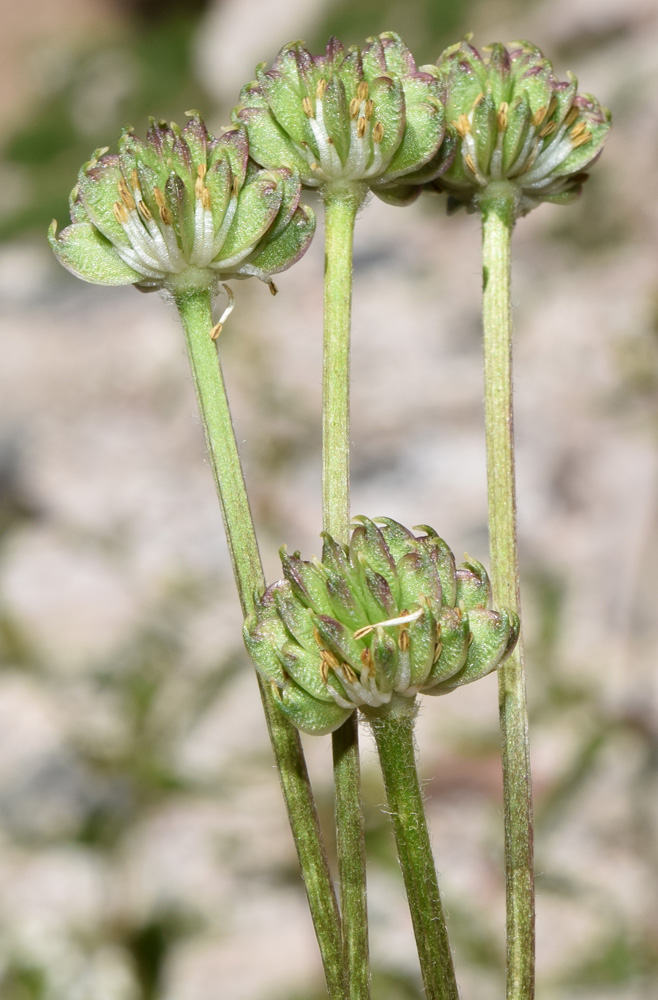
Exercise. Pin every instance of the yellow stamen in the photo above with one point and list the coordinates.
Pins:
(355, 104)
(548, 128)
(582, 139)
(321, 89)
(362, 91)
(216, 330)
(502, 116)
(272, 287)
(361, 126)
(468, 160)
(205, 199)
(577, 130)
(378, 133)
(159, 198)
(539, 116)
(120, 213)
(369, 109)
(308, 107)
(165, 216)
(144, 211)
(462, 125)
(403, 641)
(134, 176)
(477, 100)
(202, 170)
(126, 196)
(571, 117)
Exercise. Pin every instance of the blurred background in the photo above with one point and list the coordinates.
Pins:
(144, 852)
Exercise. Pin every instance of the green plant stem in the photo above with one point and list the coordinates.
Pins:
(394, 735)
(341, 207)
(196, 314)
(498, 214)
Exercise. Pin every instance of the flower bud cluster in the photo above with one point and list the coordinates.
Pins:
(388, 614)
(367, 116)
(514, 122)
(182, 210)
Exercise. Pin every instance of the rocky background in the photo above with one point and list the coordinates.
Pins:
(144, 852)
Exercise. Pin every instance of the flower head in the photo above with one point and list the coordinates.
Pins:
(346, 116)
(390, 613)
(181, 210)
(515, 122)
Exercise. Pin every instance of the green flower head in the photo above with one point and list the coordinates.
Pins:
(180, 211)
(390, 613)
(352, 116)
(514, 122)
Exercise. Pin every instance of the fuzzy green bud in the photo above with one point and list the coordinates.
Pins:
(388, 614)
(181, 211)
(514, 122)
(357, 116)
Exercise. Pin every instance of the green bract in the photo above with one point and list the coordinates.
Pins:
(515, 122)
(368, 116)
(388, 614)
(181, 210)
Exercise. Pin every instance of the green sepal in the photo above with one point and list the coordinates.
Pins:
(87, 254)
(258, 205)
(473, 586)
(284, 250)
(494, 636)
(454, 637)
(317, 718)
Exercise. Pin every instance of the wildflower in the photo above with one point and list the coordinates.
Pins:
(514, 122)
(347, 116)
(181, 211)
(388, 615)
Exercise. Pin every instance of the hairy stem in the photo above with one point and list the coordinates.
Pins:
(196, 314)
(394, 735)
(497, 208)
(341, 207)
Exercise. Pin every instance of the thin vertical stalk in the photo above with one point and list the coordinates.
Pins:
(497, 208)
(340, 214)
(394, 735)
(196, 314)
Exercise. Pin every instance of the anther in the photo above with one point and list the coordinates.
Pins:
(199, 187)
(578, 130)
(321, 89)
(403, 641)
(120, 213)
(235, 188)
(165, 216)
(272, 287)
(349, 674)
(582, 139)
(159, 198)
(355, 104)
(437, 652)
(539, 115)
(202, 170)
(308, 107)
(366, 659)
(548, 129)
(378, 132)
(361, 126)
(362, 91)
(502, 116)
(126, 196)
(462, 125)
(552, 106)
(205, 199)
(143, 210)
(571, 117)
(477, 100)
(134, 176)
(369, 109)
(216, 330)
(468, 160)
